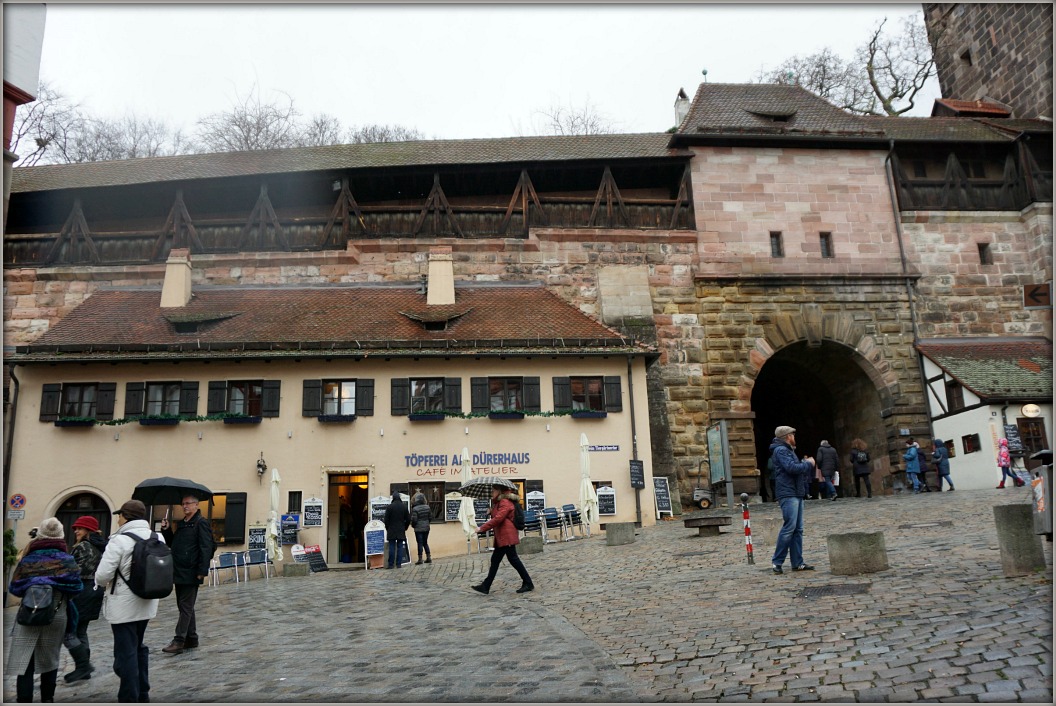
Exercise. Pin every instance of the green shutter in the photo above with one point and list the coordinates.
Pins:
(135, 395)
(401, 397)
(312, 398)
(613, 393)
(478, 395)
(531, 395)
(216, 401)
(365, 397)
(105, 400)
(453, 395)
(270, 397)
(189, 398)
(562, 394)
(50, 399)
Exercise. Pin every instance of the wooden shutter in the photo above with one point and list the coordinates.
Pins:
(189, 398)
(530, 394)
(365, 397)
(50, 399)
(453, 395)
(404, 488)
(562, 394)
(312, 398)
(216, 400)
(478, 395)
(613, 393)
(135, 396)
(270, 397)
(105, 399)
(235, 520)
(401, 397)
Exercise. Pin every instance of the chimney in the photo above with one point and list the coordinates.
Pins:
(681, 107)
(441, 284)
(176, 291)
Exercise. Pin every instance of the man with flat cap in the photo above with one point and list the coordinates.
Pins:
(791, 479)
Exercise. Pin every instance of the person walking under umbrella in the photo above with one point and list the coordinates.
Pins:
(192, 550)
(506, 540)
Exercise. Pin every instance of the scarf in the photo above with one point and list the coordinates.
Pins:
(46, 563)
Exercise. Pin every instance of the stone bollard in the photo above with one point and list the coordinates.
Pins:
(765, 530)
(294, 569)
(530, 545)
(617, 533)
(857, 553)
(1021, 551)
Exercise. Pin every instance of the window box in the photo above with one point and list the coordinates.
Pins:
(336, 418)
(75, 422)
(159, 422)
(242, 420)
(505, 415)
(426, 416)
(589, 414)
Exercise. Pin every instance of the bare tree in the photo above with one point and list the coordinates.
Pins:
(321, 130)
(884, 78)
(567, 119)
(251, 124)
(43, 129)
(363, 134)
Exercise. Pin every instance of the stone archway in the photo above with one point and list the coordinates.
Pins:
(83, 501)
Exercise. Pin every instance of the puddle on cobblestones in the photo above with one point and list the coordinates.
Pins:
(835, 589)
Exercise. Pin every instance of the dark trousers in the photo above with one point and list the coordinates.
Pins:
(422, 539)
(131, 657)
(24, 684)
(858, 480)
(510, 553)
(186, 626)
(396, 549)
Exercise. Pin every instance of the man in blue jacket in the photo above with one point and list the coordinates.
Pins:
(791, 479)
(941, 456)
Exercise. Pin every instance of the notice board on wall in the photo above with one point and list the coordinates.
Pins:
(288, 528)
(606, 500)
(258, 538)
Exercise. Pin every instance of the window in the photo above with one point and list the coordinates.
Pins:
(1032, 433)
(339, 397)
(349, 397)
(587, 394)
(89, 400)
(293, 503)
(986, 256)
(163, 398)
(226, 513)
(501, 394)
(951, 448)
(252, 398)
(970, 443)
(966, 57)
(244, 397)
(504, 394)
(434, 495)
(954, 396)
(427, 395)
(826, 245)
(777, 247)
(79, 400)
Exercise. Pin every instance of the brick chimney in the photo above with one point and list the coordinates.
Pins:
(441, 284)
(176, 291)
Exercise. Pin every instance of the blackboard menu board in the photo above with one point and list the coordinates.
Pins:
(288, 530)
(374, 538)
(481, 507)
(316, 562)
(451, 507)
(377, 507)
(662, 495)
(536, 500)
(637, 473)
(606, 501)
(1015, 444)
(258, 538)
(313, 513)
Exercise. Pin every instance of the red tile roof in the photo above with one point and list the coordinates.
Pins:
(974, 107)
(131, 323)
(996, 368)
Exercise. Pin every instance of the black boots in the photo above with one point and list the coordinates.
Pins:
(525, 588)
(82, 666)
(479, 588)
(24, 687)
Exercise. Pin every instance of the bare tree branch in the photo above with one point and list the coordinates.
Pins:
(251, 124)
(571, 120)
(363, 134)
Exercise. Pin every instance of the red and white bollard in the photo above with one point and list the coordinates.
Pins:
(747, 527)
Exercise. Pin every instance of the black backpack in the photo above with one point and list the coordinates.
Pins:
(151, 573)
(518, 515)
(39, 605)
(861, 456)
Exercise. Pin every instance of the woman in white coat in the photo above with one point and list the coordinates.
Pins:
(127, 613)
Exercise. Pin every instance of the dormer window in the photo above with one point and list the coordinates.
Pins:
(186, 326)
(435, 325)
(774, 115)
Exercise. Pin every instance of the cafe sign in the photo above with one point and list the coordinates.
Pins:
(1031, 410)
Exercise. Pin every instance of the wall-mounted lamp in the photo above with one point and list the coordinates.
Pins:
(381, 432)
(199, 436)
(117, 436)
(548, 427)
(262, 466)
(289, 434)
(467, 430)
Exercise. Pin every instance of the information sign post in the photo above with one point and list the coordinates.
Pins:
(719, 459)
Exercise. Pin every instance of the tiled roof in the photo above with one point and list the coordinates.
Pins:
(751, 108)
(974, 107)
(342, 157)
(957, 129)
(321, 320)
(996, 368)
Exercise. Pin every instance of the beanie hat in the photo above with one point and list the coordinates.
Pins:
(783, 431)
(86, 522)
(51, 528)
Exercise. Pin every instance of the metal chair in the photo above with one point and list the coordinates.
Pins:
(532, 523)
(553, 520)
(486, 537)
(225, 560)
(258, 558)
(574, 519)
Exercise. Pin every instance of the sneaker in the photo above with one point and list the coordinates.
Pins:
(525, 589)
(173, 648)
(833, 498)
(803, 567)
(778, 569)
(480, 589)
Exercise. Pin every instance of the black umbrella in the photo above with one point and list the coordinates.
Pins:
(481, 487)
(169, 491)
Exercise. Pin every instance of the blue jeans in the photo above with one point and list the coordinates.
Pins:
(945, 477)
(915, 480)
(422, 539)
(830, 489)
(791, 536)
(131, 657)
(396, 556)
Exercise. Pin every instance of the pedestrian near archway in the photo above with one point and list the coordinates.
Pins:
(791, 482)
(87, 552)
(192, 550)
(860, 468)
(941, 456)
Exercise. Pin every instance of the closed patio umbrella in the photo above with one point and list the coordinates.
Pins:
(466, 514)
(273, 543)
(588, 497)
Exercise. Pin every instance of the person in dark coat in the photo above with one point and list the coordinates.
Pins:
(87, 552)
(397, 520)
(941, 456)
(192, 550)
(912, 459)
(860, 466)
(37, 648)
(506, 541)
(792, 479)
(828, 464)
(420, 515)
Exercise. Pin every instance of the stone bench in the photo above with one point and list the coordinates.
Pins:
(530, 545)
(708, 526)
(857, 553)
(294, 569)
(1021, 549)
(617, 533)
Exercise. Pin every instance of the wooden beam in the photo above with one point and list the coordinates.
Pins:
(343, 208)
(262, 216)
(180, 226)
(75, 225)
(610, 193)
(685, 193)
(437, 205)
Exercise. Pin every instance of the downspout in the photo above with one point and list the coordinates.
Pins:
(12, 413)
(889, 172)
(634, 435)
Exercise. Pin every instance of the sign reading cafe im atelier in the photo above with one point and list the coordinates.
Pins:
(483, 463)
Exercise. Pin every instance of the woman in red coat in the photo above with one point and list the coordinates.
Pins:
(506, 541)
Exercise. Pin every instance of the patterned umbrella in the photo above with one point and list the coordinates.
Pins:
(481, 487)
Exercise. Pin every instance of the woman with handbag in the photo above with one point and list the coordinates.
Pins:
(36, 648)
(87, 552)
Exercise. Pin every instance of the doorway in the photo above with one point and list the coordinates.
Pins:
(347, 516)
(79, 505)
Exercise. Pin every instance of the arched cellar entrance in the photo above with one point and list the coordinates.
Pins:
(83, 504)
(824, 393)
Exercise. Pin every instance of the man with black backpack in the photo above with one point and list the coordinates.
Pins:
(127, 612)
(192, 549)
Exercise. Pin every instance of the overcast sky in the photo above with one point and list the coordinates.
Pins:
(450, 71)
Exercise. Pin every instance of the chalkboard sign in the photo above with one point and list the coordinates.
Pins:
(288, 531)
(451, 507)
(298, 554)
(1015, 444)
(662, 496)
(374, 538)
(536, 500)
(258, 537)
(316, 562)
(378, 505)
(606, 500)
(637, 473)
(481, 507)
(313, 513)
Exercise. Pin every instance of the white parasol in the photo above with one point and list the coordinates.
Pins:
(588, 497)
(466, 514)
(274, 545)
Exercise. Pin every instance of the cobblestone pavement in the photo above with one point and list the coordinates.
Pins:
(672, 617)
